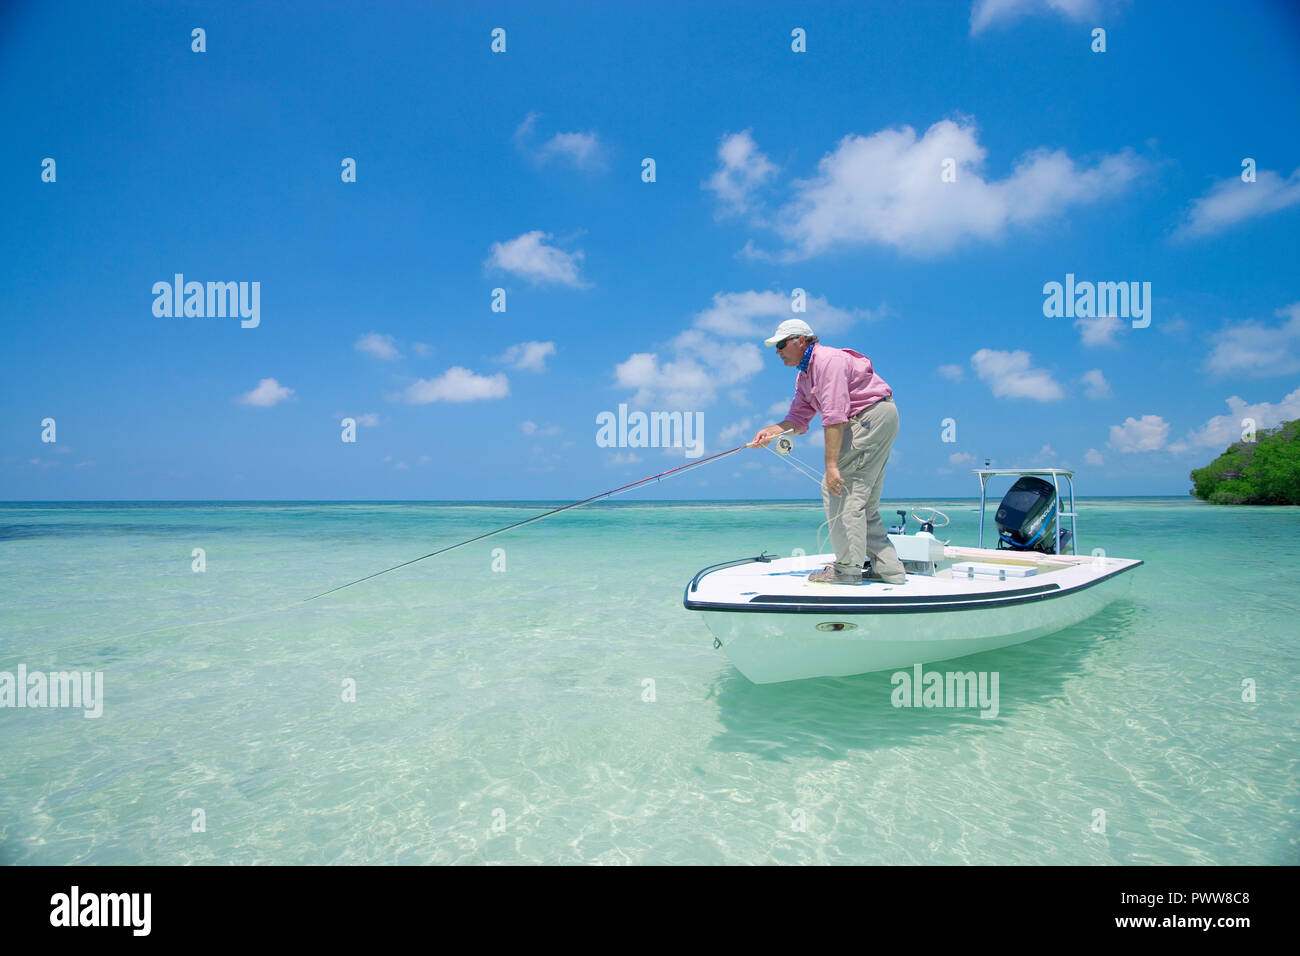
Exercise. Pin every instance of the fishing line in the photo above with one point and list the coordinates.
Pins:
(802, 467)
(554, 511)
(670, 473)
(782, 451)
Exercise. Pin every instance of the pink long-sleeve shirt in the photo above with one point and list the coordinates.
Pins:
(839, 383)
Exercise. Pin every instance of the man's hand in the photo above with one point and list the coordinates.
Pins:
(765, 435)
(834, 483)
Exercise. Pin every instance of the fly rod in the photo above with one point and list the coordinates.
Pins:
(546, 514)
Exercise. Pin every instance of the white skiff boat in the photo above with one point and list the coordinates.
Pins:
(775, 625)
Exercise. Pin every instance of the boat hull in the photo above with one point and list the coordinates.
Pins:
(770, 642)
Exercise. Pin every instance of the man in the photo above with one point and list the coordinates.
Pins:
(858, 413)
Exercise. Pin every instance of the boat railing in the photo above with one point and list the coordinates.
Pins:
(695, 581)
(1055, 474)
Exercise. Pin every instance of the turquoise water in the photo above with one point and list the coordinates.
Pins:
(504, 716)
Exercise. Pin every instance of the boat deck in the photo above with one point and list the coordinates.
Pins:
(782, 583)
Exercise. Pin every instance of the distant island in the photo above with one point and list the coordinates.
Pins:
(1263, 472)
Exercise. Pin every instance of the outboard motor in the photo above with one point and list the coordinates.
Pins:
(1027, 517)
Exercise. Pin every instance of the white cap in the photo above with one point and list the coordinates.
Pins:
(788, 328)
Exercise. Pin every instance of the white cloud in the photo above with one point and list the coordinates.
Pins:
(985, 13)
(1222, 430)
(1257, 350)
(456, 385)
(753, 315)
(780, 408)
(639, 370)
(742, 170)
(529, 257)
(960, 458)
(380, 346)
(1047, 451)
(744, 428)
(1177, 326)
(1147, 433)
(581, 149)
(886, 189)
(701, 365)
(1095, 384)
(584, 150)
(268, 392)
(953, 373)
(541, 431)
(524, 131)
(1093, 457)
(1012, 375)
(528, 355)
(367, 419)
(691, 379)
(422, 349)
(1099, 331)
(1231, 201)
(728, 362)
(618, 458)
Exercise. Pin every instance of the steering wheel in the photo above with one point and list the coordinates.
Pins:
(934, 512)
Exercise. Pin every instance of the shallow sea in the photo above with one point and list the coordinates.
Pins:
(553, 702)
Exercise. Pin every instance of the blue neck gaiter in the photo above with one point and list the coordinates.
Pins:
(807, 357)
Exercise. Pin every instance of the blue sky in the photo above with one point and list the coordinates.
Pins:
(775, 170)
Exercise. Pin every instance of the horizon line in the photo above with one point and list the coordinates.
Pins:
(347, 501)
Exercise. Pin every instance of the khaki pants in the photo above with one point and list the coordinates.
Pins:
(856, 530)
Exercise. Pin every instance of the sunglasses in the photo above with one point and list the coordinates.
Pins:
(783, 343)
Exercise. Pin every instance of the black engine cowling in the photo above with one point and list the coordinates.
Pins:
(1027, 516)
